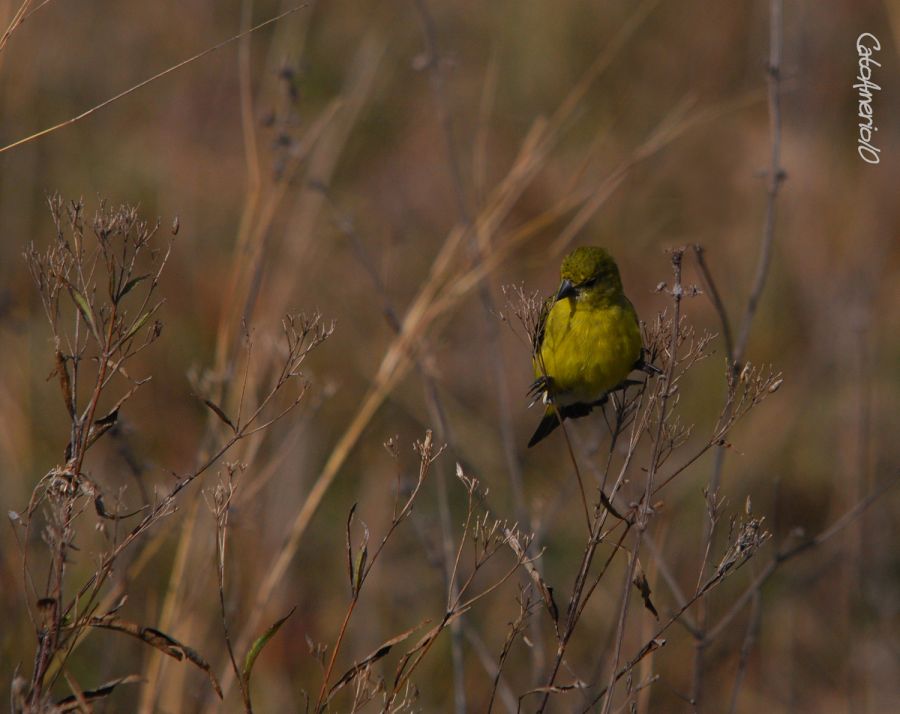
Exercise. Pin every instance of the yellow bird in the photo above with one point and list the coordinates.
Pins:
(587, 340)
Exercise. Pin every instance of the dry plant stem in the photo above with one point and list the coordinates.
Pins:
(753, 590)
(753, 624)
(156, 662)
(436, 412)
(643, 515)
(581, 591)
(221, 510)
(248, 133)
(114, 595)
(493, 668)
(598, 535)
(14, 24)
(165, 506)
(715, 296)
(792, 552)
(245, 281)
(254, 423)
(477, 245)
(18, 19)
(455, 608)
(453, 591)
(745, 546)
(653, 644)
(433, 63)
(667, 574)
(584, 502)
(581, 594)
(736, 355)
(68, 269)
(254, 237)
(248, 125)
(428, 455)
(774, 179)
(149, 80)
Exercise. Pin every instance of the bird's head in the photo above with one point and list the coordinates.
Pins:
(589, 268)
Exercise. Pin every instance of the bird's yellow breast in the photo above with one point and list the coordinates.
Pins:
(589, 346)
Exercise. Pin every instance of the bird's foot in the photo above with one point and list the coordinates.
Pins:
(645, 366)
(539, 391)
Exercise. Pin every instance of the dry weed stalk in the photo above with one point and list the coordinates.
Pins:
(97, 282)
(483, 539)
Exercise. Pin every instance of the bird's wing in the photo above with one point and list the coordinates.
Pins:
(537, 338)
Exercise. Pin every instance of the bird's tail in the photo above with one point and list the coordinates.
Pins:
(547, 425)
(569, 411)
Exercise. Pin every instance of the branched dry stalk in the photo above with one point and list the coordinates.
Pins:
(360, 566)
(516, 629)
(665, 392)
(97, 282)
(737, 345)
(484, 537)
(99, 306)
(219, 502)
(480, 542)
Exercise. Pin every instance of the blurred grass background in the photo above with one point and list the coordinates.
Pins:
(829, 318)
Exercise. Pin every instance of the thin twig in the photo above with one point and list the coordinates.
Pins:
(789, 553)
(665, 389)
(149, 80)
(716, 298)
(749, 640)
(17, 20)
(775, 177)
(736, 353)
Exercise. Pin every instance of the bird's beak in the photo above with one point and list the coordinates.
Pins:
(566, 289)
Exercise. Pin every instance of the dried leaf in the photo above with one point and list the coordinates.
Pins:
(71, 703)
(219, 413)
(545, 590)
(130, 285)
(84, 307)
(258, 645)
(111, 418)
(640, 582)
(350, 544)
(359, 569)
(380, 652)
(161, 641)
(65, 382)
(102, 425)
(139, 323)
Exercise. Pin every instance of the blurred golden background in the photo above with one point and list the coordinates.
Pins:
(309, 166)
